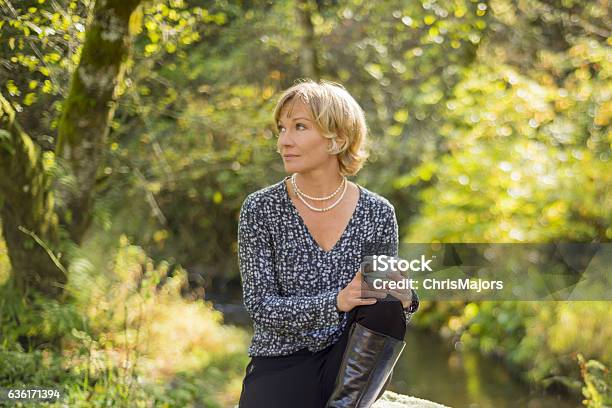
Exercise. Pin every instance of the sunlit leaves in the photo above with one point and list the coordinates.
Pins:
(527, 152)
(170, 24)
(12, 88)
(42, 44)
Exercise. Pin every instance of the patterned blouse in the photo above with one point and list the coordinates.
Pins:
(290, 283)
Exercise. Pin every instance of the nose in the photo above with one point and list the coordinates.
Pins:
(285, 140)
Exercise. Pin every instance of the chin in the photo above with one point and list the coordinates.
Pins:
(292, 168)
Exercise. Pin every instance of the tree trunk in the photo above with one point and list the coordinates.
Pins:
(26, 208)
(31, 223)
(89, 108)
(308, 51)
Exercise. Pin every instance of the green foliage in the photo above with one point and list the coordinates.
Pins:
(538, 340)
(521, 165)
(489, 123)
(597, 383)
(25, 322)
(40, 48)
(205, 115)
(128, 338)
(524, 147)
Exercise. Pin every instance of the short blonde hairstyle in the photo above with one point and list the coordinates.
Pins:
(338, 117)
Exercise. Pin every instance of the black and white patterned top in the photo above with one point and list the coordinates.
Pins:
(290, 283)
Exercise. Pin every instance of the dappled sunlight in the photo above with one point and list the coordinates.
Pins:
(132, 132)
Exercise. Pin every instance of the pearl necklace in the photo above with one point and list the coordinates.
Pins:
(299, 195)
(293, 178)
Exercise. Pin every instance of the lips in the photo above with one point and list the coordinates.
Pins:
(290, 156)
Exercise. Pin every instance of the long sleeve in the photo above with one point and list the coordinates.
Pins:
(390, 246)
(263, 302)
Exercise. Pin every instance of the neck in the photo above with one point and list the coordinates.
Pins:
(318, 183)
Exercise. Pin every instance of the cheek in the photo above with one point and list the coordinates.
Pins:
(315, 144)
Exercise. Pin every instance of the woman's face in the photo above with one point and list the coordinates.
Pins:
(300, 143)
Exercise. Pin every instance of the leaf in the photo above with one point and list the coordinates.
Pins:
(5, 142)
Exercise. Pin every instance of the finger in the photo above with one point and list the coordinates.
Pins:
(380, 294)
(404, 291)
(399, 296)
(362, 285)
(396, 276)
(392, 276)
(406, 300)
(368, 301)
(373, 290)
(355, 293)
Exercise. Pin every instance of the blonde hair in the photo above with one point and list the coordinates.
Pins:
(337, 115)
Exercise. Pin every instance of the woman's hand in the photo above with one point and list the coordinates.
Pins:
(351, 295)
(403, 295)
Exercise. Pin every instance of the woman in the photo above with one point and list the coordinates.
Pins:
(321, 338)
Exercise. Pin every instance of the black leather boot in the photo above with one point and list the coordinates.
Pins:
(366, 365)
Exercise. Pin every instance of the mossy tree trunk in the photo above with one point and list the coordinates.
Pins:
(89, 108)
(26, 208)
(31, 221)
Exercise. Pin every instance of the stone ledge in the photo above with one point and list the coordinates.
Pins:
(393, 400)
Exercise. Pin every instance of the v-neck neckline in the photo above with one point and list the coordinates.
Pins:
(313, 241)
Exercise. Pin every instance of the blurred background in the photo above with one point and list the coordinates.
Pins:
(131, 131)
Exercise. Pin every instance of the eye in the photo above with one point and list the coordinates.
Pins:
(280, 128)
(300, 125)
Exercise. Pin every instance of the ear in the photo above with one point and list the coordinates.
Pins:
(342, 141)
(333, 147)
